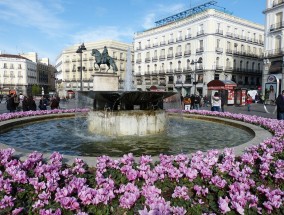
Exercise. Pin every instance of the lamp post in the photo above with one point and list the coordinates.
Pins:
(80, 50)
(194, 63)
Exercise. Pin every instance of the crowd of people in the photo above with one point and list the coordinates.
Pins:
(27, 103)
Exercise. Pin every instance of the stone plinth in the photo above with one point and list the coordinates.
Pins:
(123, 123)
(105, 82)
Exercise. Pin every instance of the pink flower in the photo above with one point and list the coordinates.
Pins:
(224, 205)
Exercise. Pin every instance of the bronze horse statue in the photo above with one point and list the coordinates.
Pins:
(99, 59)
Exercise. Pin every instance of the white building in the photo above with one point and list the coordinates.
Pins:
(185, 53)
(273, 73)
(68, 74)
(17, 73)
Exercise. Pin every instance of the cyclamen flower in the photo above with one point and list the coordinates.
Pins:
(218, 181)
(224, 204)
(7, 201)
(178, 211)
(17, 211)
(181, 192)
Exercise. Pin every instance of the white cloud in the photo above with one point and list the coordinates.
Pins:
(160, 11)
(104, 33)
(33, 13)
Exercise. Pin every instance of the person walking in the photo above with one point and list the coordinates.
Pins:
(280, 106)
(11, 106)
(216, 102)
(249, 101)
(223, 100)
(187, 102)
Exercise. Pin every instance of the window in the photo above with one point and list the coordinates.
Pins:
(155, 53)
(217, 61)
(216, 76)
(247, 65)
(227, 63)
(241, 64)
(179, 49)
(19, 66)
(218, 43)
(155, 67)
(147, 54)
(179, 65)
(201, 44)
(11, 66)
(228, 45)
(148, 68)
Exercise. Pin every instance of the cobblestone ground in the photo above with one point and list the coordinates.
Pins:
(256, 109)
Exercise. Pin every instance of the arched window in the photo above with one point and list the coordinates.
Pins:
(228, 63)
(148, 68)
(139, 69)
(188, 64)
(179, 65)
(247, 65)
(155, 67)
(252, 66)
(217, 61)
(241, 64)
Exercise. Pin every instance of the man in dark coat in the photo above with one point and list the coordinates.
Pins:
(280, 106)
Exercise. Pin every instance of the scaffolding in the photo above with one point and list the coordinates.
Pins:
(190, 12)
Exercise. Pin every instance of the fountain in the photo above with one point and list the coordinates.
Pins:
(127, 112)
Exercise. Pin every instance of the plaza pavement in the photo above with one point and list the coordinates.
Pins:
(256, 108)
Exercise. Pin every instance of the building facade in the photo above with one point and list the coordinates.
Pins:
(17, 74)
(273, 73)
(68, 75)
(185, 54)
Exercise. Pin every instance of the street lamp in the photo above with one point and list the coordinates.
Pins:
(194, 63)
(80, 50)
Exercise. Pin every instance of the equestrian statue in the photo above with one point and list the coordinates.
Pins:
(104, 58)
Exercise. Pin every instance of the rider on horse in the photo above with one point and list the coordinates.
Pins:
(104, 55)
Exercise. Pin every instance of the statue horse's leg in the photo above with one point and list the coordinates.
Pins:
(108, 65)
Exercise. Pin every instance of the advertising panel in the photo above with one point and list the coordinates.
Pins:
(231, 97)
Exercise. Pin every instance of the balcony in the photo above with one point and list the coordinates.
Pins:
(155, 72)
(187, 53)
(170, 71)
(171, 41)
(155, 44)
(219, 50)
(147, 60)
(274, 53)
(277, 2)
(219, 32)
(138, 61)
(147, 46)
(229, 68)
(219, 68)
(228, 34)
(162, 43)
(199, 50)
(199, 33)
(179, 39)
(276, 26)
(229, 51)
(162, 72)
(170, 56)
(178, 55)
(187, 69)
(187, 37)
(178, 70)
(154, 59)
(138, 48)
(162, 57)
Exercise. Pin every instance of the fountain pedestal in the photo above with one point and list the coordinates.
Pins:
(105, 81)
(126, 123)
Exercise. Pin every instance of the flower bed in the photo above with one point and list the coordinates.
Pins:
(205, 183)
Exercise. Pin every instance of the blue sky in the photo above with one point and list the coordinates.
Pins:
(49, 26)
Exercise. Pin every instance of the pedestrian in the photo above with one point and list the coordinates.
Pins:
(216, 102)
(25, 104)
(31, 103)
(11, 107)
(187, 102)
(196, 103)
(223, 100)
(43, 103)
(17, 102)
(54, 104)
(280, 106)
(249, 101)
(1, 97)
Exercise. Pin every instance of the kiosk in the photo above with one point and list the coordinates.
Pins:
(223, 85)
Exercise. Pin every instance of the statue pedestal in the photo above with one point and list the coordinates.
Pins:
(105, 82)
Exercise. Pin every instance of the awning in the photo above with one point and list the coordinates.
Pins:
(70, 92)
(276, 66)
(221, 85)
